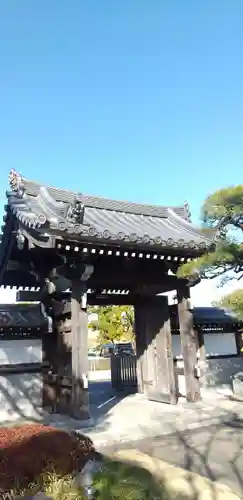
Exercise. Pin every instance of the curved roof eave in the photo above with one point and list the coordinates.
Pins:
(98, 220)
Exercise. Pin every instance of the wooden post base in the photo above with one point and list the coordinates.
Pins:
(80, 410)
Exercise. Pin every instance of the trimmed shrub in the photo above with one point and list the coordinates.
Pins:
(119, 481)
(30, 451)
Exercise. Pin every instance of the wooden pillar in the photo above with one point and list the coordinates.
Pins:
(201, 345)
(202, 362)
(165, 371)
(80, 394)
(64, 372)
(189, 345)
(140, 336)
(49, 344)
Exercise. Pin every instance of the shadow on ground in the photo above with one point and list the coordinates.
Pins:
(204, 438)
(215, 452)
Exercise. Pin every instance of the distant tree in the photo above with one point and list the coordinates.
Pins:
(232, 301)
(222, 215)
(114, 323)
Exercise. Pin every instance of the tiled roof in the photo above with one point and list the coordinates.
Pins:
(85, 218)
(207, 317)
(22, 316)
(213, 315)
(61, 195)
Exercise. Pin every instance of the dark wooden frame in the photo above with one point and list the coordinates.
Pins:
(22, 368)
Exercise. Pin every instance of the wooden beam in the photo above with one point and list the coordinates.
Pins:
(189, 345)
(19, 279)
(60, 307)
(122, 277)
(80, 394)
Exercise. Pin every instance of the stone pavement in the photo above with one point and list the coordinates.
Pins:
(214, 452)
(204, 438)
(135, 418)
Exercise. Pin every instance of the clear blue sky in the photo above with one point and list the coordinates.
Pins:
(132, 99)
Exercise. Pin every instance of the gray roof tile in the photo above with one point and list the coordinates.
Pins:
(32, 188)
(211, 315)
(39, 207)
(208, 317)
(22, 315)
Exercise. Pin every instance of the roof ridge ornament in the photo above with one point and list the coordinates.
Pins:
(188, 211)
(20, 239)
(75, 212)
(16, 182)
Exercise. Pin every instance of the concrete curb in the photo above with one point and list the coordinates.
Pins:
(179, 482)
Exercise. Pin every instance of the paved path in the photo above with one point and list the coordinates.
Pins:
(103, 398)
(215, 452)
(100, 391)
(134, 417)
(205, 437)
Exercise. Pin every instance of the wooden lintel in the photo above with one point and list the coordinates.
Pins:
(143, 278)
(188, 344)
(126, 277)
(104, 299)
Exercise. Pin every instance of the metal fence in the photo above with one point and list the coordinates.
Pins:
(124, 372)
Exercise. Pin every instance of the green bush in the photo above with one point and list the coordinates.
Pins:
(116, 481)
(119, 481)
(39, 458)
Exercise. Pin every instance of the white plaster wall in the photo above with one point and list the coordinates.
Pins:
(20, 397)
(220, 344)
(176, 345)
(18, 351)
(218, 371)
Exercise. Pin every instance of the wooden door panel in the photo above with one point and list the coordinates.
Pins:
(156, 361)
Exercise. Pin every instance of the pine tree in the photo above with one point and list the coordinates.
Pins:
(222, 215)
(233, 302)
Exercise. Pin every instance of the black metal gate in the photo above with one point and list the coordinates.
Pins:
(124, 372)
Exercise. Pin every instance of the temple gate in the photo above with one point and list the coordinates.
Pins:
(72, 248)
